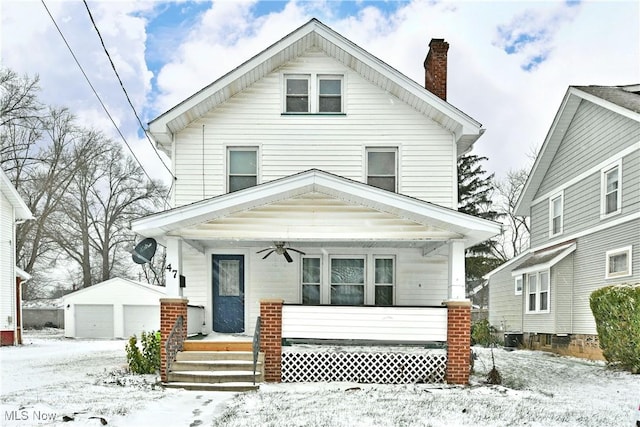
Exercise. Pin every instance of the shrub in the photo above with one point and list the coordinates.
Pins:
(481, 333)
(616, 310)
(146, 361)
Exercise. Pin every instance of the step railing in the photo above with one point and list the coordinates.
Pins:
(175, 341)
(256, 347)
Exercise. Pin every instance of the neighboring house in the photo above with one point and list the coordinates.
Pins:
(12, 210)
(341, 165)
(583, 200)
(116, 308)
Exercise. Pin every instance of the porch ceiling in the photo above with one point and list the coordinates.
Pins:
(315, 206)
(313, 217)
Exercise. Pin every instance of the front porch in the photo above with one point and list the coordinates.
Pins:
(396, 345)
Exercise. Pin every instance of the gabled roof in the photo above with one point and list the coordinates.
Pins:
(544, 259)
(6, 187)
(623, 100)
(235, 215)
(315, 34)
(110, 282)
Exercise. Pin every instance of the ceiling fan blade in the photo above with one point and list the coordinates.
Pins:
(268, 253)
(265, 249)
(287, 256)
(296, 250)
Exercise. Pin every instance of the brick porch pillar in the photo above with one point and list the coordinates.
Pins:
(271, 338)
(170, 310)
(458, 342)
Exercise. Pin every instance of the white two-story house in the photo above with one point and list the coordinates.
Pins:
(583, 200)
(317, 174)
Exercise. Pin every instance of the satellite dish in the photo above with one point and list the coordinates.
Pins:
(144, 251)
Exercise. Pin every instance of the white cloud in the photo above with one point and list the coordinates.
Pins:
(515, 105)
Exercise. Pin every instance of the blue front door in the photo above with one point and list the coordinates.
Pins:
(228, 293)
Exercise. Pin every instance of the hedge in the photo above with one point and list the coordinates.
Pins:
(616, 310)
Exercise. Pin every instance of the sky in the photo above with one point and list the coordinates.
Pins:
(510, 63)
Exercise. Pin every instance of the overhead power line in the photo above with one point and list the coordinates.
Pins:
(123, 88)
(98, 96)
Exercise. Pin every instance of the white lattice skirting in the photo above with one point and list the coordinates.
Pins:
(364, 367)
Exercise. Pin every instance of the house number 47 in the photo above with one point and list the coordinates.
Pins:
(175, 272)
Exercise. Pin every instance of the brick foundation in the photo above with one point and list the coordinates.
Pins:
(458, 342)
(584, 346)
(271, 338)
(170, 310)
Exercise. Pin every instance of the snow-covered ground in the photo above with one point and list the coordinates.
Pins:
(51, 377)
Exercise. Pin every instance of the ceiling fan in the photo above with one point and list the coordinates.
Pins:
(278, 248)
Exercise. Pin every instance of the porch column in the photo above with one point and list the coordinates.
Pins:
(456, 271)
(458, 342)
(271, 338)
(170, 310)
(173, 269)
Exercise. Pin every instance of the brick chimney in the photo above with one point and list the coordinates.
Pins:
(435, 68)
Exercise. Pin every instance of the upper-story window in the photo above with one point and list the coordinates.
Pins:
(618, 263)
(555, 215)
(242, 168)
(313, 93)
(382, 168)
(611, 190)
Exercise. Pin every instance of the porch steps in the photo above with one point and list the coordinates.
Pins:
(215, 370)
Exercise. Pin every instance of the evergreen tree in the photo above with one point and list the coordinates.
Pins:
(475, 188)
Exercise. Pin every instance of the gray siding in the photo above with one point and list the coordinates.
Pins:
(582, 204)
(594, 135)
(505, 307)
(562, 292)
(590, 264)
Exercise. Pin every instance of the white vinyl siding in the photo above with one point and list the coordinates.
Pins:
(7, 264)
(290, 144)
(419, 281)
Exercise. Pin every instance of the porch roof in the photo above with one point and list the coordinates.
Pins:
(316, 207)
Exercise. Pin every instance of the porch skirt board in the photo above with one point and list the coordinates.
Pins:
(364, 367)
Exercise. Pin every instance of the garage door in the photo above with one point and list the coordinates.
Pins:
(138, 318)
(94, 321)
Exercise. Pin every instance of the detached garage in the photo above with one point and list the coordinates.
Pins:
(116, 308)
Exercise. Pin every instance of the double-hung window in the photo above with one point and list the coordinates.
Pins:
(383, 281)
(311, 280)
(382, 168)
(313, 94)
(555, 215)
(538, 292)
(297, 94)
(618, 263)
(242, 168)
(611, 190)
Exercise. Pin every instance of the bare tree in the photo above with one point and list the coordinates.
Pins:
(107, 193)
(515, 239)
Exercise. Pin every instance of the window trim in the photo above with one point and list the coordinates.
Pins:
(552, 212)
(313, 87)
(603, 190)
(515, 285)
(538, 292)
(383, 149)
(375, 284)
(611, 253)
(228, 151)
